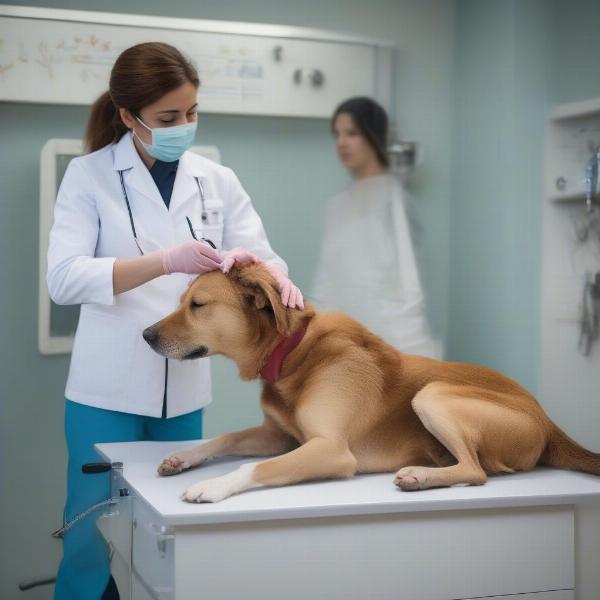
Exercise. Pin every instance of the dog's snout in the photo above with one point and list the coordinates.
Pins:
(150, 334)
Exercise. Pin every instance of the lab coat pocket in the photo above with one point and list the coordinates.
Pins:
(102, 356)
(212, 227)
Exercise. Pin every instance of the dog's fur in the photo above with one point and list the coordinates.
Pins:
(346, 402)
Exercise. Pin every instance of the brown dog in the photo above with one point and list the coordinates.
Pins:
(338, 400)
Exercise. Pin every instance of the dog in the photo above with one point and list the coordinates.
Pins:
(338, 400)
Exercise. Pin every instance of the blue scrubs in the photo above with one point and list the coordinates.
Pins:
(85, 569)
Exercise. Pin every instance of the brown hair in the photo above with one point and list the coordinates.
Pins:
(371, 120)
(140, 76)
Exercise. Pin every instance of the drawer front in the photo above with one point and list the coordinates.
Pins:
(429, 556)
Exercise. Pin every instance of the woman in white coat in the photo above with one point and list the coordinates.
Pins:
(135, 218)
(367, 265)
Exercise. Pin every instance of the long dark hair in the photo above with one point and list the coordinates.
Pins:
(140, 76)
(371, 120)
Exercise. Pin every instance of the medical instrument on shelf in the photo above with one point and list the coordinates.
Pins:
(591, 179)
(590, 313)
(587, 225)
(403, 157)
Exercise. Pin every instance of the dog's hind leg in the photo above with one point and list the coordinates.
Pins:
(477, 431)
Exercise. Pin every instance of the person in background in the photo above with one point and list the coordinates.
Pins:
(367, 265)
(135, 218)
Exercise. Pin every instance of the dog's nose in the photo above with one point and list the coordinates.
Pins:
(150, 334)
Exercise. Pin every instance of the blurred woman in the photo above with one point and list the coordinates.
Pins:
(367, 265)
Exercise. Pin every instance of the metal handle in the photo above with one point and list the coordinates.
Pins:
(116, 492)
(92, 468)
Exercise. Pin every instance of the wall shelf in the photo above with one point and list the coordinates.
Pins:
(572, 197)
(567, 378)
(576, 110)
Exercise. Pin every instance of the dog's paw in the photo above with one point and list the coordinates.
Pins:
(176, 463)
(170, 466)
(411, 478)
(219, 488)
(210, 490)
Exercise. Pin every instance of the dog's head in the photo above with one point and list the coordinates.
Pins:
(235, 315)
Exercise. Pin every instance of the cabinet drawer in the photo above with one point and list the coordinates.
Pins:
(429, 556)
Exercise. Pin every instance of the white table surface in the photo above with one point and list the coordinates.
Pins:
(361, 495)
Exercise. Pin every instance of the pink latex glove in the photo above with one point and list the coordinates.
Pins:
(291, 295)
(237, 255)
(192, 257)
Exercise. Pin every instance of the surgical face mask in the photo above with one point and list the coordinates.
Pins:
(169, 143)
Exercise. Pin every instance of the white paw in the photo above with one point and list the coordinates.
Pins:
(209, 490)
(219, 488)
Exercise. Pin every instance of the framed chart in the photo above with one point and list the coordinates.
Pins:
(65, 57)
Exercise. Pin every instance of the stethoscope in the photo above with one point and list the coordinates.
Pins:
(204, 215)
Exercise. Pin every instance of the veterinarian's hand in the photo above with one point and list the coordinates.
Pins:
(291, 295)
(192, 257)
(237, 255)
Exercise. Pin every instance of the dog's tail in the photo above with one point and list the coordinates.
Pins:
(564, 453)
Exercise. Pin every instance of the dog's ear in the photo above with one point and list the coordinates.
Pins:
(260, 287)
(255, 297)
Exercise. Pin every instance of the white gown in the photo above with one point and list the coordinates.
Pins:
(367, 265)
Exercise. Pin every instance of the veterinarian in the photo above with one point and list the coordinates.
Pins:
(135, 220)
(367, 265)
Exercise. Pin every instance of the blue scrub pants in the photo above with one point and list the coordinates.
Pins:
(85, 569)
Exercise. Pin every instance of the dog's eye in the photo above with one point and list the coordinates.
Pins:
(196, 304)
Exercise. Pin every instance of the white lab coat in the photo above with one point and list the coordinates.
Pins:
(367, 265)
(112, 367)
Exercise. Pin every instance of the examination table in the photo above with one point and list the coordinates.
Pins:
(514, 537)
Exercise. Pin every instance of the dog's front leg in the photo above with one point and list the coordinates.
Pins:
(266, 440)
(318, 458)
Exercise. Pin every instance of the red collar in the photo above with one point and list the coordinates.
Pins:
(272, 368)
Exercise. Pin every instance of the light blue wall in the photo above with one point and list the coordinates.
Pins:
(288, 167)
(513, 61)
(483, 115)
(501, 71)
(575, 66)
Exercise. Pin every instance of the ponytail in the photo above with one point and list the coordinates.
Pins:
(140, 76)
(104, 125)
